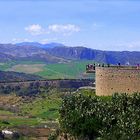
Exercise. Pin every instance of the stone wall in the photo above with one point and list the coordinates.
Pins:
(110, 80)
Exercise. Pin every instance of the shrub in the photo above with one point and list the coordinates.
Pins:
(117, 117)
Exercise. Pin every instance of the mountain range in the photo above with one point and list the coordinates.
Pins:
(36, 44)
(10, 52)
(59, 53)
(83, 53)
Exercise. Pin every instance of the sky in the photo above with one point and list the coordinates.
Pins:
(98, 24)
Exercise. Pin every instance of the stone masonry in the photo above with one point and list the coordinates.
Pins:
(111, 80)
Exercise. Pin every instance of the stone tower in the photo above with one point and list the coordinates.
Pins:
(114, 79)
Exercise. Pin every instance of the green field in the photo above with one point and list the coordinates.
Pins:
(27, 68)
(32, 111)
(4, 112)
(44, 108)
(36, 116)
(74, 69)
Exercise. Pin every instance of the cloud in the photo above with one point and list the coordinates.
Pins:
(64, 29)
(35, 29)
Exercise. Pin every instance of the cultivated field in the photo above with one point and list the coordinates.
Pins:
(70, 70)
(27, 68)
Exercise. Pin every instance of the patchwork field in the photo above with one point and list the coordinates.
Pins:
(74, 69)
(27, 68)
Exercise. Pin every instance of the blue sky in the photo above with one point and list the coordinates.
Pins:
(98, 24)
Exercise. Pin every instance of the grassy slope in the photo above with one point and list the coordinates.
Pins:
(33, 111)
(5, 66)
(27, 68)
(4, 112)
(8, 65)
(44, 108)
(74, 69)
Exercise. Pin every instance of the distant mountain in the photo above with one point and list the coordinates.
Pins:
(13, 52)
(58, 53)
(52, 45)
(5, 57)
(16, 76)
(36, 44)
(82, 53)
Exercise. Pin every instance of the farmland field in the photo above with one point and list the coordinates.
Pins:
(73, 69)
(27, 68)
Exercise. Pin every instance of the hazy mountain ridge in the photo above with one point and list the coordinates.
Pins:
(14, 52)
(36, 44)
(61, 54)
(83, 53)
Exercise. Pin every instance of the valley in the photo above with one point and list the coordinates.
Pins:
(38, 85)
(33, 116)
(70, 70)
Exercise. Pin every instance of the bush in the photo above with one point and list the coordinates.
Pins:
(53, 136)
(117, 117)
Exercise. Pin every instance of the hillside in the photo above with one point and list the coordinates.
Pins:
(13, 52)
(16, 76)
(36, 44)
(83, 53)
(56, 61)
(54, 52)
(58, 53)
(70, 70)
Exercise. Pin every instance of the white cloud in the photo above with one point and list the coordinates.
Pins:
(64, 29)
(35, 29)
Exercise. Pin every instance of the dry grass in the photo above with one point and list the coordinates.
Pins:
(28, 68)
(9, 99)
